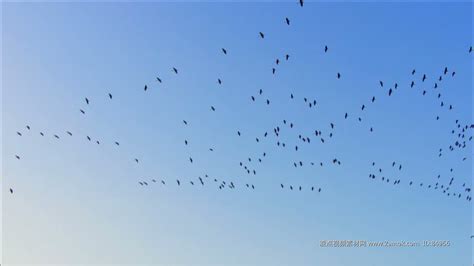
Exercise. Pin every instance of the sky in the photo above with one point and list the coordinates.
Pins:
(76, 202)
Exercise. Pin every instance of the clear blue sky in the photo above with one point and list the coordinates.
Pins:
(78, 202)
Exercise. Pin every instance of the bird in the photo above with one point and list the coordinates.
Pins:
(212, 108)
(287, 21)
(110, 96)
(116, 143)
(82, 111)
(87, 100)
(185, 122)
(158, 79)
(11, 191)
(287, 57)
(301, 3)
(325, 48)
(470, 49)
(145, 88)
(224, 51)
(389, 92)
(381, 83)
(338, 75)
(17, 157)
(191, 159)
(219, 81)
(262, 35)
(18, 133)
(69, 133)
(175, 70)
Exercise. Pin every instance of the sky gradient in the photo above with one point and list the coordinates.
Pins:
(76, 202)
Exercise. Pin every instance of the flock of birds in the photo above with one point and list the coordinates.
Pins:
(461, 134)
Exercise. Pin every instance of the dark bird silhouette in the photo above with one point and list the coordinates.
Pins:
(82, 111)
(287, 21)
(273, 70)
(325, 48)
(175, 70)
(158, 79)
(389, 92)
(413, 72)
(110, 96)
(191, 159)
(381, 83)
(69, 133)
(219, 81)
(373, 99)
(262, 35)
(18, 133)
(185, 122)
(287, 57)
(224, 51)
(424, 78)
(17, 157)
(470, 50)
(338, 75)
(301, 3)
(145, 88)
(87, 100)
(212, 108)
(11, 191)
(42, 134)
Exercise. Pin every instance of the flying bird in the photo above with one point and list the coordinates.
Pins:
(287, 21)
(262, 35)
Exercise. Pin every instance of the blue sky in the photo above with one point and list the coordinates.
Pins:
(78, 202)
